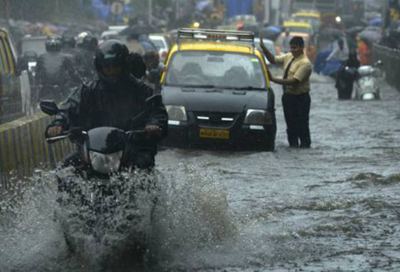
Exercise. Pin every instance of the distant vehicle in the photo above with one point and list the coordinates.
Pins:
(269, 44)
(299, 27)
(33, 44)
(14, 84)
(31, 48)
(309, 16)
(243, 20)
(282, 44)
(163, 44)
(239, 7)
(117, 28)
(217, 92)
(109, 34)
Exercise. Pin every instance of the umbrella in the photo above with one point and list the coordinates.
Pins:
(139, 30)
(372, 34)
(202, 5)
(332, 32)
(354, 30)
(275, 29)
(376, 22)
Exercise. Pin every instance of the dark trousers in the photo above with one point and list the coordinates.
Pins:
(297, 111)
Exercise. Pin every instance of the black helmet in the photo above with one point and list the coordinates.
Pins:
(112, 52)
(87, 41)
(53, 43)
(68, 41)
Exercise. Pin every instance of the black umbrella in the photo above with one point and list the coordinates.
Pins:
(139, 30)
(332, 32)
(354, 30)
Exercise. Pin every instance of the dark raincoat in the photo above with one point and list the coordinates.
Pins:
(100, 104)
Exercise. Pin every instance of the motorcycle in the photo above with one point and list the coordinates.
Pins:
(367, 82)
(104, 194)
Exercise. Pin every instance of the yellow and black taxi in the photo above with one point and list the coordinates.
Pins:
(217, 92)
(11, 82)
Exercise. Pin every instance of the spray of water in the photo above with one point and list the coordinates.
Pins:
(163, 219)
(192, 215)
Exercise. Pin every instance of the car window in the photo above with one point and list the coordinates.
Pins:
(314, 21)
(158, 43)
(268, 43)
(219, 69)
(37, 46)
(301, 29)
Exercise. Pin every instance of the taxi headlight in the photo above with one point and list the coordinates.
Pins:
(258, 117)
(176, 113)
(105, 163)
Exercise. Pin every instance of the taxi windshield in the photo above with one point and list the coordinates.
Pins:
(314, 21)
(213, 69)
(300, 29)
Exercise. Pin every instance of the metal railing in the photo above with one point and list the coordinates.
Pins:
(391, 63)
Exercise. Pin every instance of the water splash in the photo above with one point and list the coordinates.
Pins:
(192, 215)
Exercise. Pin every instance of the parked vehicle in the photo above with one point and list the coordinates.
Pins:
(367, 85)
(217, 92)
(14, 83)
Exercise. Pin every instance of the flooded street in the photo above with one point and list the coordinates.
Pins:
(334, 207)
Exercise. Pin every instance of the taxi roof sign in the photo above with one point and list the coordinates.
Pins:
(216, 35)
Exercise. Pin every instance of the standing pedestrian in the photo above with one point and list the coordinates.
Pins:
(154, 70)
(296, 99)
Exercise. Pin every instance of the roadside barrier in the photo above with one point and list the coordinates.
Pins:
(24, 149)
(391, 63)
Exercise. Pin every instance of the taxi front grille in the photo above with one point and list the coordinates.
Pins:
(208, 119)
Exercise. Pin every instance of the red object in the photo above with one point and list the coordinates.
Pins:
(364, 54)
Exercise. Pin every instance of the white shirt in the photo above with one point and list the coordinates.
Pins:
(338, 54)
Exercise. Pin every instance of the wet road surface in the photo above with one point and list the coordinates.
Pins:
(334, 207)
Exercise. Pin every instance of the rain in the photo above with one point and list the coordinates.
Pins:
(230, 190)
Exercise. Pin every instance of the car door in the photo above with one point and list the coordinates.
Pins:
(10, 85)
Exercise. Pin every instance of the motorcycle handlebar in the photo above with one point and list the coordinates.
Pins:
(73, 132)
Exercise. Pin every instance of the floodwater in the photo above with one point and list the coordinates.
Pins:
(334, 207)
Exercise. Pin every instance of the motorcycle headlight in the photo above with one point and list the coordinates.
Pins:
(368, 96)
(105, 163)
(176, 113)
(258, 117)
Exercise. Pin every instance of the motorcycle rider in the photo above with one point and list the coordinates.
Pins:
(115, 99)
(87, 45)
(55, 72)
(69, 47)
(346, 76)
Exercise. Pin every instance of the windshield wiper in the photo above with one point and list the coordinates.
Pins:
(192, 86)
(248, 88)
(214, 91)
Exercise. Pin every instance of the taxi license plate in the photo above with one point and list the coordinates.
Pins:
(214, 133)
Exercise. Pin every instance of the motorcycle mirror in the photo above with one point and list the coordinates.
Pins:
(49, 107)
